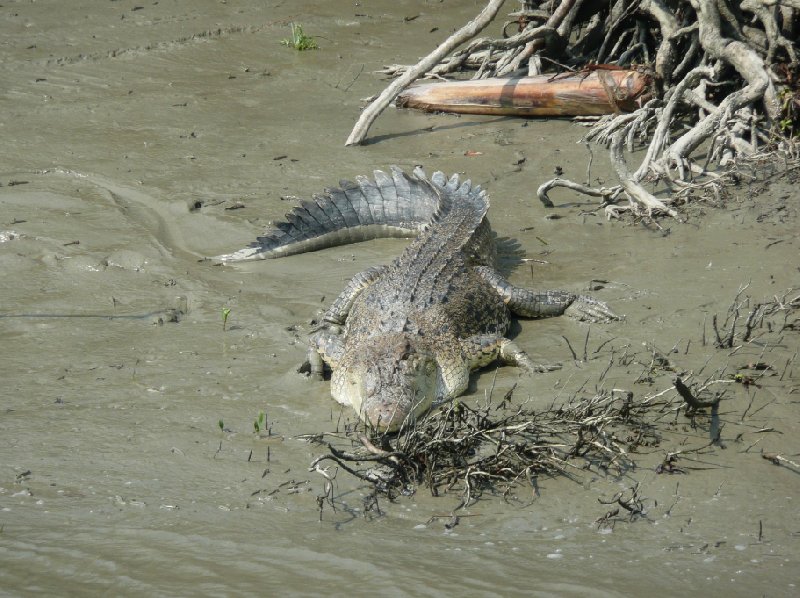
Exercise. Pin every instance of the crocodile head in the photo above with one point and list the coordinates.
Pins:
(393, 380)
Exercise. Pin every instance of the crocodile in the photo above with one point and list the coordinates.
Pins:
(404, 337)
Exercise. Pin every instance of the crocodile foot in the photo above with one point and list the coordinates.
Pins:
(589, 309)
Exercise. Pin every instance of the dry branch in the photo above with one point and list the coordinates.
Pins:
(467, 32)
(689, 398)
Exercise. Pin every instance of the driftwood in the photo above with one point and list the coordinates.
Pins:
(727, 80)
(582, 94)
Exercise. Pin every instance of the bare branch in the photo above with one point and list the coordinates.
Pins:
(468, 31)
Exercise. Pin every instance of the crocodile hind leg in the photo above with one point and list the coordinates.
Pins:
(325, 343)
(540, 304)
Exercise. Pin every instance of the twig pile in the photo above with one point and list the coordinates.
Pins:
(774, 315)
(727, 74)
(496, 448)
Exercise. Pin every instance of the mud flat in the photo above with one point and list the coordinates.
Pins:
(140, 138)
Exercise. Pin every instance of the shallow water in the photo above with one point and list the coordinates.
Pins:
(139, 140)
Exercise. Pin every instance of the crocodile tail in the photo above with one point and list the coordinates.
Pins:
(453, 192)
(388, 205)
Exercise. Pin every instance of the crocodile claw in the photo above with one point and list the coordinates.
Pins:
(589, 309)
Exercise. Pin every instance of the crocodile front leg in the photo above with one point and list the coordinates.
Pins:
(325, 342)
(540, 304)
(482, 349)
(325, 346)
(338, 311)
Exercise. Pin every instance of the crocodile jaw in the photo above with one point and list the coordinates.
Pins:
(390, 382)
(391, 408)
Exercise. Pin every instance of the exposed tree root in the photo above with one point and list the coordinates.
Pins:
(728, 82)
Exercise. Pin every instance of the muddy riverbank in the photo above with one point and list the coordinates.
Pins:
(140, 138)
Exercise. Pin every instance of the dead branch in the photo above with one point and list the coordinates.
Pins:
(467, 32)
(609, 194)
(777, 459)
(693, 402)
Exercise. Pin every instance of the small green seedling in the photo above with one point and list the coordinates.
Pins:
(300, 41)
(226, 311)
(260, 423)
(221, 425)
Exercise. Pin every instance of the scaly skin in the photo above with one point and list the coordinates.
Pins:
(403, 337)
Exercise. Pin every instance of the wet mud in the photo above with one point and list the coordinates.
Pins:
(140, 138)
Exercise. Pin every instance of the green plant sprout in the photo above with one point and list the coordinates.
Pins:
(299, 41)
(260, 423)
(226, 311)
(788, 114)
(221, 425)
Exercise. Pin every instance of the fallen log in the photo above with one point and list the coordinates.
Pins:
(601, 91)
